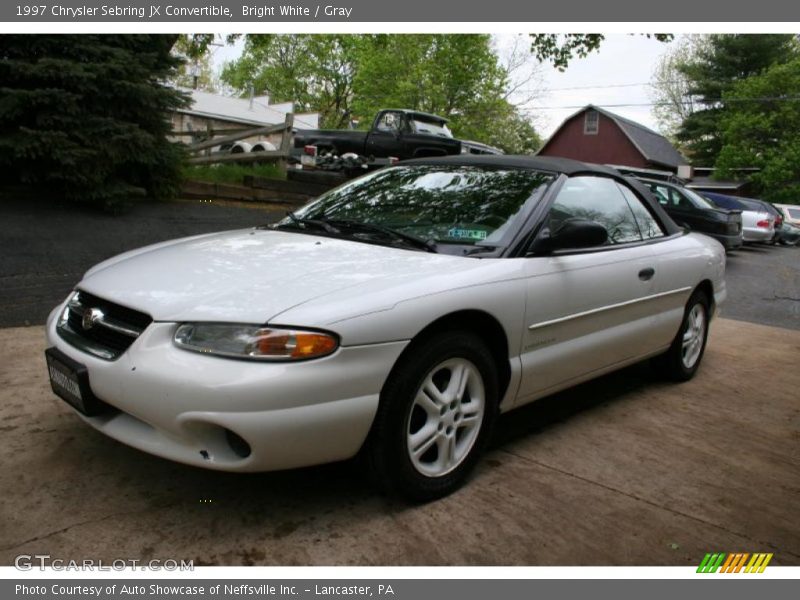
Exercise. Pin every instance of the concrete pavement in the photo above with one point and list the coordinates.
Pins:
(625, 470)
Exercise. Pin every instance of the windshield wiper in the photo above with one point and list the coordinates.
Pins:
(335, 226)
(302, 222)
(426, 245)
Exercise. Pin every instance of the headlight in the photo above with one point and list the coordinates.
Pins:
(254, 341)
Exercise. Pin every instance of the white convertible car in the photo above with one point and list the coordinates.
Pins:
(395, 316)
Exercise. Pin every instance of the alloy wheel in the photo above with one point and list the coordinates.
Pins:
(445, 417)
(694, 336)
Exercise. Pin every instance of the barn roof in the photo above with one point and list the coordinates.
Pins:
(653, 146)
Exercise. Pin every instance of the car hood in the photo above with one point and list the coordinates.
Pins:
(250, 276)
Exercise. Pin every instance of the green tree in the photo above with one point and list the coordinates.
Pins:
(512, 131)
(313, 71)
(458, 77)
(352, 77)
(670, 88)
(436, 73)
(196, 70)
(86, 116)
(712, 71)
(759, 129)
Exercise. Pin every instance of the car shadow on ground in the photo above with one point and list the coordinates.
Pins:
(539, 416)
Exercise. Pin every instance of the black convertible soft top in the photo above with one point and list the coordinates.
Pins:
(539, 163)
(551, 164)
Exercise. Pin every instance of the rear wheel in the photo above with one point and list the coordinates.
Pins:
(436, 413)
(681, 361)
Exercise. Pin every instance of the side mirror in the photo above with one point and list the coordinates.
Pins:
(572, 233)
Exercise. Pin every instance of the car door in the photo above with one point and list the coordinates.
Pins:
(385, 138)
(587, 311)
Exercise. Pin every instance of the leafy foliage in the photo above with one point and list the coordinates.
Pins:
(86, 116)
(313, 71)
(348, 78)
(456, 76)
(196, 70)
(712, 70)
(763, 133)
(670, 88)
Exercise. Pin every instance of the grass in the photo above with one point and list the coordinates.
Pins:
(231, 173)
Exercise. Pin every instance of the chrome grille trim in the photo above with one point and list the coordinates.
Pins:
(109, 322)
(100, 327)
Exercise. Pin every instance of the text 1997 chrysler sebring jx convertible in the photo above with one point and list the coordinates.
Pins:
(396, 316)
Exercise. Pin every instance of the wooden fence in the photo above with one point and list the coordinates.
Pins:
(295, 190)
(281, 154)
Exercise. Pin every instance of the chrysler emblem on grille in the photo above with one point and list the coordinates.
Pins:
(90, 317)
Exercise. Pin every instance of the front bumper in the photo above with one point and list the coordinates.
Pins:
(181, 405)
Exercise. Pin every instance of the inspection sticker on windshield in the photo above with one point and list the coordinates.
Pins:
(467, 234)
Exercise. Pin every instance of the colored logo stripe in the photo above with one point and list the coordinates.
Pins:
(758, 563)
(734, 562)
(711, 563)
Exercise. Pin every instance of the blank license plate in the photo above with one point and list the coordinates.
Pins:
(70, 382)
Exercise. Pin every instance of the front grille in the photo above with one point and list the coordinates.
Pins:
(100, 327)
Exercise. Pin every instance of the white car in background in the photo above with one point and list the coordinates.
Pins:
(396, 316)
(791, 213)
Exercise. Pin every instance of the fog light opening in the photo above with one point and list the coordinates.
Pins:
(239, 446)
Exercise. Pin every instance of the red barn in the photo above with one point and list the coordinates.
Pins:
(595, 135)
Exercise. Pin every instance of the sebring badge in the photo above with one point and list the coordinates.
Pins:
(90, 317)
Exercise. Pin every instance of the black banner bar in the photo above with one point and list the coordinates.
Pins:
(469, 11)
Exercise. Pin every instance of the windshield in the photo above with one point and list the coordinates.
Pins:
(431, 128)
(458, 205)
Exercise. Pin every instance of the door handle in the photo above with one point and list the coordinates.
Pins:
(647, 274)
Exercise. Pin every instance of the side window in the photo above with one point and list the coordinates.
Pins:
(390, 121)
(648, 226)
(668, 196)
(597, 199)
(661, 192)
(681, 200)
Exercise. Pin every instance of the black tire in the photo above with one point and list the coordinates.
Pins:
(672, 364)
(387, 449)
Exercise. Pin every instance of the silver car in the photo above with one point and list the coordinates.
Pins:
(395, 316)
(758, 224)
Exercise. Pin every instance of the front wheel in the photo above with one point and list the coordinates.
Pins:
(436, 413)
(681, 361)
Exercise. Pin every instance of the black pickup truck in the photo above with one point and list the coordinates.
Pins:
(395, 132)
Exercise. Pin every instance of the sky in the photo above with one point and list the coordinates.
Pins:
(621, 61)
(624, 61)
